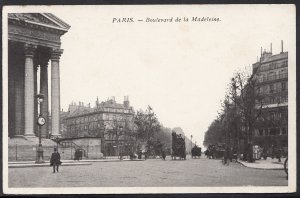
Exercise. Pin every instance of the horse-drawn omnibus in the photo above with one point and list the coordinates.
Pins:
(178, 146)
(196, 152)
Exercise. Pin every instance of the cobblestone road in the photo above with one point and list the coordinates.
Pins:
(152, 173)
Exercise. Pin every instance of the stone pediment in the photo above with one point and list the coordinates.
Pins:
(42, 19)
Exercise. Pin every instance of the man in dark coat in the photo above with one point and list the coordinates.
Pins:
(163, 155)
(77, 154)
(55, 160)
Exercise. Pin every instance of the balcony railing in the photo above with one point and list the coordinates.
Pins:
(273, 77)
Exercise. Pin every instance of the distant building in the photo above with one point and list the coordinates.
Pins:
(271, 72)
(112, 122)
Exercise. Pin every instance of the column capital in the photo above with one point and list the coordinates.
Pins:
(56, 53)
(29, 49)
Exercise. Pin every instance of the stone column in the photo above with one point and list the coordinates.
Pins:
(44, 91)
(29, 90)
(19, 97)
(55, 92)
(35, 100)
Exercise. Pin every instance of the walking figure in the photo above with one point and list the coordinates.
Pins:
(164, 155)
(77, 155)
(55, 160)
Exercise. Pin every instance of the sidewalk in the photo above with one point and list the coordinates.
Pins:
(268, 164)
(24, 164)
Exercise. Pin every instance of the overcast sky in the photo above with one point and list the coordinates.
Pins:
(180, 69)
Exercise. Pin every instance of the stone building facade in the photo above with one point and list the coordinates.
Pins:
(34, 41)
(109, 121)
(271, 73)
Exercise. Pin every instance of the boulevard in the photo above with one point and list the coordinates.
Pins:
(201, 172)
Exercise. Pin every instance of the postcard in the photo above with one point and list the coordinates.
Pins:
(110, 99)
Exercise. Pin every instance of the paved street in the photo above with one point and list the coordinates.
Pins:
(151, 173)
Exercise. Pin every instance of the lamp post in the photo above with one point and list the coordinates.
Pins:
(119, 132)
(103, 142)
(40, 122)
(191, 143)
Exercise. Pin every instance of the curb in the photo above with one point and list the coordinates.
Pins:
(44, 165)
(258, 167)
(27, 164)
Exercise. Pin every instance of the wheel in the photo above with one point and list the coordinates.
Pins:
(286, 166)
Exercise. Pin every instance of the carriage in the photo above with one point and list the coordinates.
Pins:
(196, 152)
(178, 146)
(215, 151)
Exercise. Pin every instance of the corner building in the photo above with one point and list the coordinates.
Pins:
(109, 121)
(33, 43)
(271, 72)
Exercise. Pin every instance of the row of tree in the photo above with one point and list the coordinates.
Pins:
(240, 111)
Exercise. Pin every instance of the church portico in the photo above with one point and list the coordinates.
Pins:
(34, 42)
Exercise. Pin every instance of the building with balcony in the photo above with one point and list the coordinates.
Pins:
(109, 121)
(271, 74)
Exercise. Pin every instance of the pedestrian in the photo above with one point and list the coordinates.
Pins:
(77, 154)
(55, 160)
(226, 156)
(278, 154)
(163, 155)
(140, 154)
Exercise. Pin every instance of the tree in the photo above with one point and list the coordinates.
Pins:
(247, 106)
(214, 133)
(241, 110)
(147, 125)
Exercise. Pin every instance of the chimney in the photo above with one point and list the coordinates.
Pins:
(126, 101)
(271, 48)
(281, 46)
(260, 51)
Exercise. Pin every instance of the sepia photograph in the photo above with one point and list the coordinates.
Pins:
(110, 99)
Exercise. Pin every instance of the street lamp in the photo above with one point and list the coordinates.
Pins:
(40, 122)
(119, 132)
(191, 143)
(103, 142)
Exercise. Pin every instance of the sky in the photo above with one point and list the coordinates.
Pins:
(180, 69)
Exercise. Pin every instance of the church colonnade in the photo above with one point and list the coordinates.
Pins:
(24, 60)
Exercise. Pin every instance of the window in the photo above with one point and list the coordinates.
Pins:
(271, 90)
(271, 76)
(261, 132)
(284, 99)
(283, 86)
(259, 90)
(265, 89)
(283, 73)
(274, 131)
(272, 116)
(267, 132)
(272, 66)
(272, 100)
(283, 131)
